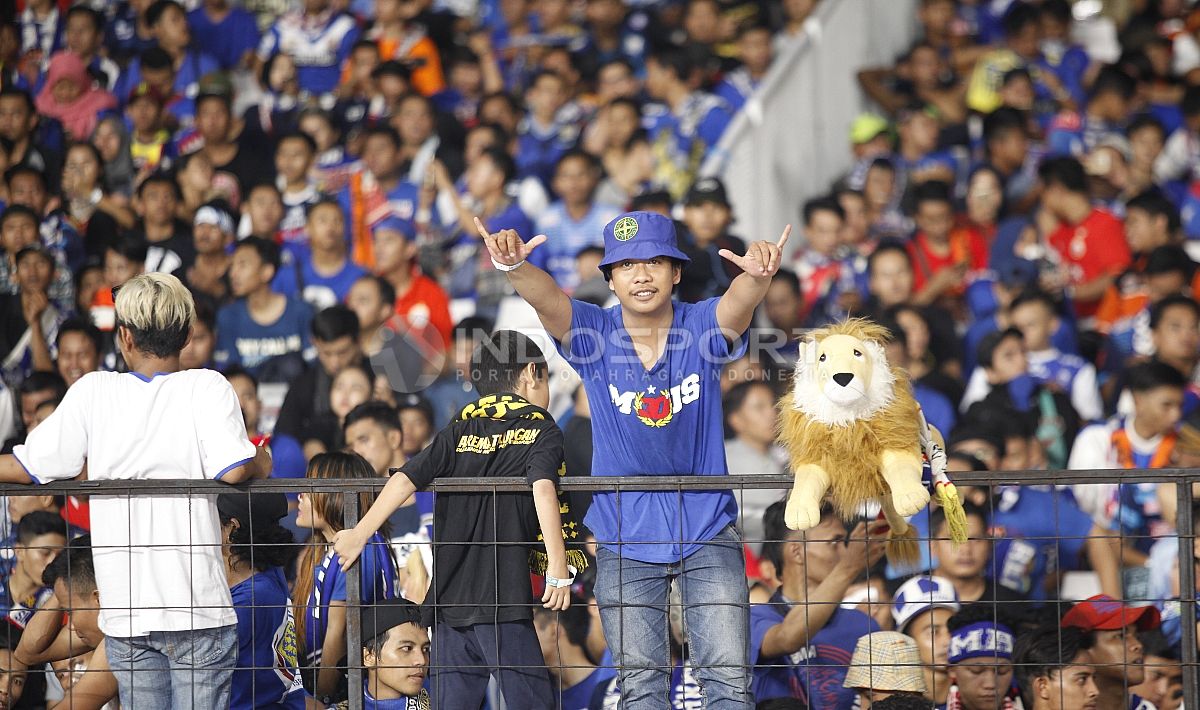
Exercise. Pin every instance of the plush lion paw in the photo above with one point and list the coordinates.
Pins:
(801, 514)
(909, 498)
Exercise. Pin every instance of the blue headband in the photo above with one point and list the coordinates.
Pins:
(983, 638)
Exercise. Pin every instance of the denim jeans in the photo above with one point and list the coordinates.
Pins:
(464, 659)
(632, 597)
(174, 669)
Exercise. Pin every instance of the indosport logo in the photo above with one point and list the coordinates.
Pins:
(656, 407)
(625, 229)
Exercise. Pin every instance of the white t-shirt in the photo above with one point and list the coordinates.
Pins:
(158, 559)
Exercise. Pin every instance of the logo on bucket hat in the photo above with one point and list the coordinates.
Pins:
(625, 229)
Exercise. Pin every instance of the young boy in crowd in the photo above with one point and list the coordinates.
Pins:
(488, 622)
(921, 608)
(575, 220)
(416, 419)
(1143, 440)
(799, 639)
(395, 656)
(707, 215)
(294, 156)
(755, 53)
(169, 239)
(372, 430)
(213, 232)
(1054, 670)
(823, 274)
(943, 258)
(260, 325)
(322, 273)
(980, 657)
(542, 141)
(1035, 314)
(1111, 636)
(122, 261)
(373, 300)
(966, 564)
(149, 140)
(420, 302)
(262, 213)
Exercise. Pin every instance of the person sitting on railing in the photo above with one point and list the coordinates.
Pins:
(395, 657)
(153, 423)
(1111, 636)
(320, 592)
(257, 550)
(481, 594)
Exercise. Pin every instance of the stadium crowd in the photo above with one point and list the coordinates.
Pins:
(1021, 214)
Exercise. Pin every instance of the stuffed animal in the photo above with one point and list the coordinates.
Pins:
(853, 430)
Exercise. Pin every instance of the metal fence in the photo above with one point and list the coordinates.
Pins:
(1182, 478)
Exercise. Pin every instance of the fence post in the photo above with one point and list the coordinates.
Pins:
(1187, 585)
(350, 514)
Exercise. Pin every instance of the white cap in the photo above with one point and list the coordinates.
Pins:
(921, 594)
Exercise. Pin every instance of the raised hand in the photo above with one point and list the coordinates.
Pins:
(506, 246)
(762, 259)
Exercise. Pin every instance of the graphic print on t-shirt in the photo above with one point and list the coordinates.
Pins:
(656, 407)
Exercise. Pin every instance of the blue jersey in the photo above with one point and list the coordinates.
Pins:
(663, 421)
(938, 410)
(1036, 533)
(242, 341)
(736, 88)
(298, 277)
(228, 40)
(565, 237)
(122, 38)
(268, 670)
(579, 696)
(45, 36)
(378, 575)
(816, 672)
(539, 150)
(318, 45)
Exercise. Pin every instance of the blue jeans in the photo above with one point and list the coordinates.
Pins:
(464, 659)
(174, 669)
(632, 597)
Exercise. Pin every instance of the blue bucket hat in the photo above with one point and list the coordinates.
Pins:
(394, 223)
(640, 235)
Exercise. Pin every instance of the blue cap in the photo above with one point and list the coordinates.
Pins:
(640, 235)
(394, 223)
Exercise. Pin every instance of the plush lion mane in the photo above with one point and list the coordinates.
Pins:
(849, 446)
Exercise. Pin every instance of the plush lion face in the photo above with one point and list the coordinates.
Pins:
(842, 376)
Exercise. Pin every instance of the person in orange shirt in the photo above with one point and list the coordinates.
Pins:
(943, 258)
(402, 39)
(422, 307)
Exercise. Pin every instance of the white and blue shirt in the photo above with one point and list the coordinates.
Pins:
(665, 420)
(319, 45)
(268, 664)
(566, 236)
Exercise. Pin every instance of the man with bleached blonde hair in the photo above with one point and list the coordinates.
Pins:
(165, 607)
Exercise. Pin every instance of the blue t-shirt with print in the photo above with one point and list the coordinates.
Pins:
(1036, 534)
(816, 672)
(300, 278)
(228, 40)
(268, 673)
(663, 421)
(377, 572)
(242, 341)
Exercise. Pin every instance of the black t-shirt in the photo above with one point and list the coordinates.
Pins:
(487, 580)
(172, 255)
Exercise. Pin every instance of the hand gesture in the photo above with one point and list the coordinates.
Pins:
(33, 305)
(862, 553)
(506, 246)
(348, 544)
(762, 259)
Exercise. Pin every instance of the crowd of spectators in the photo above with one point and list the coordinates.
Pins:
(1020, 214)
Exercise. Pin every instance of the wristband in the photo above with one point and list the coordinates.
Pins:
(505, 267)
(556, 582)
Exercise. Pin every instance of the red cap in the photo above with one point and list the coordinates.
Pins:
(1103, 613)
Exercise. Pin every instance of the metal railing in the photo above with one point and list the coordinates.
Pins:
(1182, 478)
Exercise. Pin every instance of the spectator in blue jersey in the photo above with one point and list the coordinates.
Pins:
(755, 54)
(294, 157)
(575, 220)
(263, 331)
(84, 36)
(128, 34)
(27, 186)
(41, 26)
(981, 669)
(563, 637)
(19, 230)
(1068, 61)
(1036, 315)
(229, 34)
(688, 126)
(319, 39)
(542, 139)
(801, 642)
(322, 273)
(1111, 633)
(1007, 146)
(647, 397)
(39, 537)
(257, 550)
(1109, 99)
(707, 215)
(168, 22)
(395, 657)
(320, 598)
(965, 565)
(30, 318)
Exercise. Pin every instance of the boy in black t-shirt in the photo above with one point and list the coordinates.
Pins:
(481, 596)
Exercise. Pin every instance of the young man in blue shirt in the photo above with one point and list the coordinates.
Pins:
(651, 369)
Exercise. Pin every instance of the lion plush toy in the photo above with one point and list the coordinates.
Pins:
(853, 430)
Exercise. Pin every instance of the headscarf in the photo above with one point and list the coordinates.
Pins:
(80, 116)
(120, 172)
